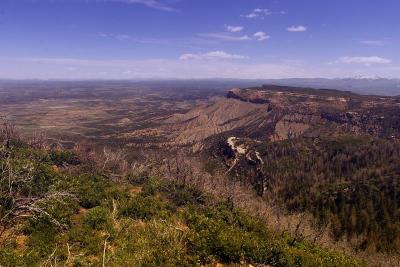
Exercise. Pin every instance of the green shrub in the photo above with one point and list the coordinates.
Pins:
(224, 240)
(10, 257)
(152, 186)
(179, 194)
(143, 208)
(98, 218)
(42, 235)
(89, 241)
(61, 208)
(155, 243)
(91, 189)
(184, 195)
(137, 180)
(150, 229)
(43, 177)
(61, 158)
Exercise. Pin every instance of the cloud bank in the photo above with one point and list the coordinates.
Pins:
(364, 60)
(299, 28)
(214, 55)
(234, 28)
(156, 4)
(203, 65)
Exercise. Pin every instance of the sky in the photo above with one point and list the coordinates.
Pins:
(158, 39)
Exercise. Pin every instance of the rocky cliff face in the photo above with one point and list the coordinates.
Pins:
(274, 113)
(303, 111)
(288, 113)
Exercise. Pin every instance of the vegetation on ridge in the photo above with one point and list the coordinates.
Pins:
(350, 185)
(58, 209)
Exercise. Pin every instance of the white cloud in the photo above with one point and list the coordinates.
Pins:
(234, 28)
(156, 4)
(299, 28)
(264, 11)
(119, 37)
(225, 36)
(373, 42)
(163, 5)
(211, 55)
(251, 15)
(261, 36)
(53, 68)
(261, 13)
(363, 60)
(258, 13)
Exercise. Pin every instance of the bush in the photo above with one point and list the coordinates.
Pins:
(60, 208)
(42, 235)
(89, 241)
(152, 185)
(222, 238)
(143, 208)
(184, 195)
(10, 257)
(61, 158)
(98, 218)
(91, 190)
(151, 230)
(155, 243)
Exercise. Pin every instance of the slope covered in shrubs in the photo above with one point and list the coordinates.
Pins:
(349, 183)
(57, 209)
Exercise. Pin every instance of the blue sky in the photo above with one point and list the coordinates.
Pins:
(129, 39)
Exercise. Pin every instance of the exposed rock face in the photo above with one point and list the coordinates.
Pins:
(254, 97)
(273, 113)
(303, 112)
(289, 127)
(299, 111)
(222, 116)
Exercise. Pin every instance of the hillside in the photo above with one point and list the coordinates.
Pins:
(328, 153)
(316, 170)
(279, 113)
(61, 208)
(349, 184)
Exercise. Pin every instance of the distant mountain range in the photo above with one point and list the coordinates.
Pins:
(359, 84)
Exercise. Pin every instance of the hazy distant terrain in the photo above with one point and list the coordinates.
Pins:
(72, 111)
(373, 86)
(366, 86)
(324, 161)
(130, 112)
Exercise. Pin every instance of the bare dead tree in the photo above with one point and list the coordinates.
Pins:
(298, 233)
(38, 140)
(8, 132)
(105, 250)
(114, 160)
(86, 152)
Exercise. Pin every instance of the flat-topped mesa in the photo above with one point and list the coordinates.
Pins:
(289, 97)
(252, 96)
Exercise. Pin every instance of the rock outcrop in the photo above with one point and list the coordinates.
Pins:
(274, 113)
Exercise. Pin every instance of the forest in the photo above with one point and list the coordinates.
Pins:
(349, 184)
